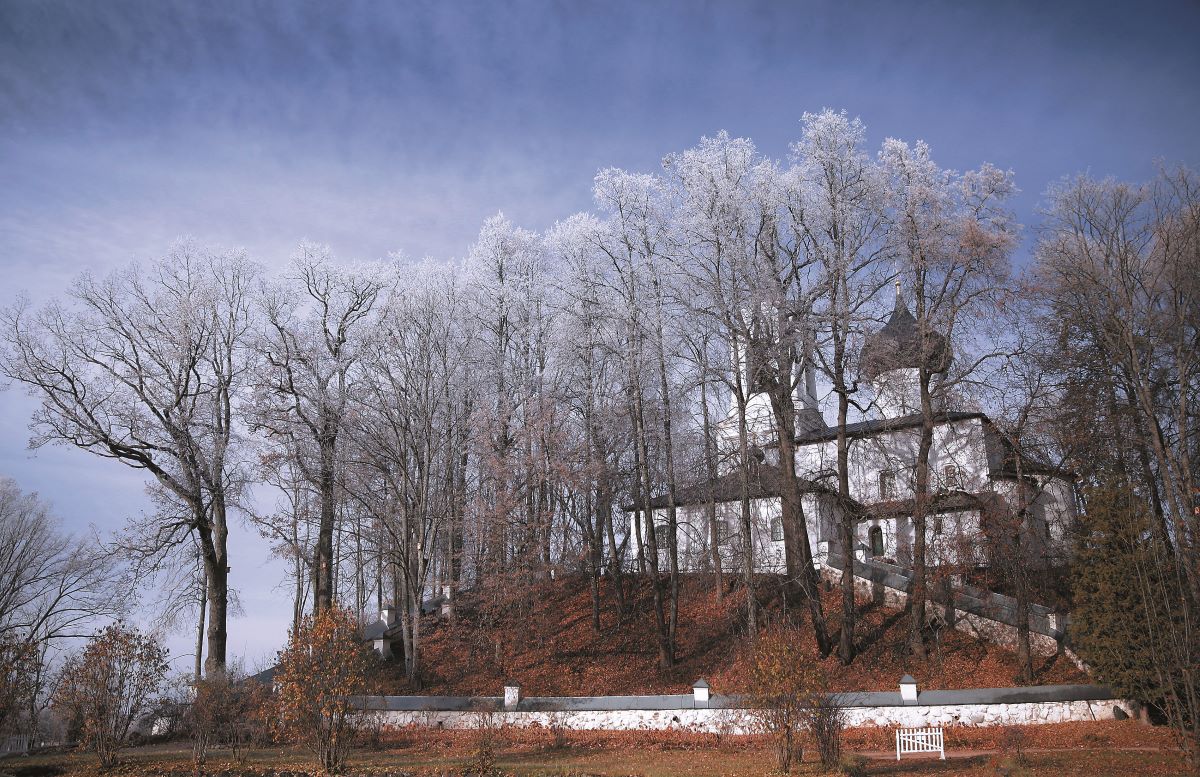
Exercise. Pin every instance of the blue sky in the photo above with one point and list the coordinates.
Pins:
(380, 127)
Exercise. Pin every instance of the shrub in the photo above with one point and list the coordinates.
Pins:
(789, 697)
(1012, 745)
(487, 736)
(324, 664)
(227, 710)
(110, 686)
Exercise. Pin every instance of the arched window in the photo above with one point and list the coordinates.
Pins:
(875, 539)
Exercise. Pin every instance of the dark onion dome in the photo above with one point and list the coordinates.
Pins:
(898, 346)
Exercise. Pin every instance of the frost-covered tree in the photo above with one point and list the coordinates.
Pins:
(951, 236)
(146, 367)
(315, 324)
(835, 209)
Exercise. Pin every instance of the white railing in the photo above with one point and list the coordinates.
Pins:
(920, 740)
(15, 744)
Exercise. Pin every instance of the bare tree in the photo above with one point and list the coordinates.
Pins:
(717, 232)
(315, 323)
(951, 237)
(836, 208)
(633, 244)
(1118, 267)
(144, 367)
(592, 391)
(402, 439)
(53, 588)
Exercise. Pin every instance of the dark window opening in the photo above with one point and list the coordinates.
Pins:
(875, 539)
(777, 529)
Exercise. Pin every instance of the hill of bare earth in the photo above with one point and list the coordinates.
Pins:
(543, 640)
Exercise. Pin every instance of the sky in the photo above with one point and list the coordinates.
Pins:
(398, 127)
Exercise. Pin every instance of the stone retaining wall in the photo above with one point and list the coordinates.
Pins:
(727, 714)
(991, 626)
(737, 721)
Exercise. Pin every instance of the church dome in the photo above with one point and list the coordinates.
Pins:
(898, 346)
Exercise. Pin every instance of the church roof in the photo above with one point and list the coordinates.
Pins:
(880, 425)
(953, 502)
(899, 345)
(765, 481)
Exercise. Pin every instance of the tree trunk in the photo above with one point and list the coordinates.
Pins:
(798, 557)
(200, 621)
(217, 572)
(666, 653)
(747, 528)
(323, 568)
(710, 505)
(672, 515)
(845, 530)
(917, 593)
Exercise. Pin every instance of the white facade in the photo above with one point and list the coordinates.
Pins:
(971, 470)
(880, 475)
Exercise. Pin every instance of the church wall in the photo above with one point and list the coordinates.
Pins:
(1051, 514)
(1058, 498)
(959, 443)
(950, 538)
(693, 535)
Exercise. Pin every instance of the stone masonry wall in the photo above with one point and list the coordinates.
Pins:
(734, 721)
(987, 629)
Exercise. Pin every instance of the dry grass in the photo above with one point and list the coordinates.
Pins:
(555, 652)
(1093, 749)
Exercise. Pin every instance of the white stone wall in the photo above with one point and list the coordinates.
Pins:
(986, 629)
(742, 721)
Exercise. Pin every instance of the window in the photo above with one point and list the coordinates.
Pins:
(875, 539)
(722, 532)
(951, 478)
(777, 529)
(662, 536)
(937, 524)
(887, 484)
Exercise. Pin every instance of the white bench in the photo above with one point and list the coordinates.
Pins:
(920, 740)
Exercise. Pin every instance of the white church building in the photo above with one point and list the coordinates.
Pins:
(974, 469)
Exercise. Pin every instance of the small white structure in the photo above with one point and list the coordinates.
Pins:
(380, 633)
(700, 692)
(920, 740)
(908, 689)
(512, 696)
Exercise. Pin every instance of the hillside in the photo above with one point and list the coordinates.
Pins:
(546, 644)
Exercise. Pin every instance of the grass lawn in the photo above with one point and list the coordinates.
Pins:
(614, 763)
(1093, 749)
